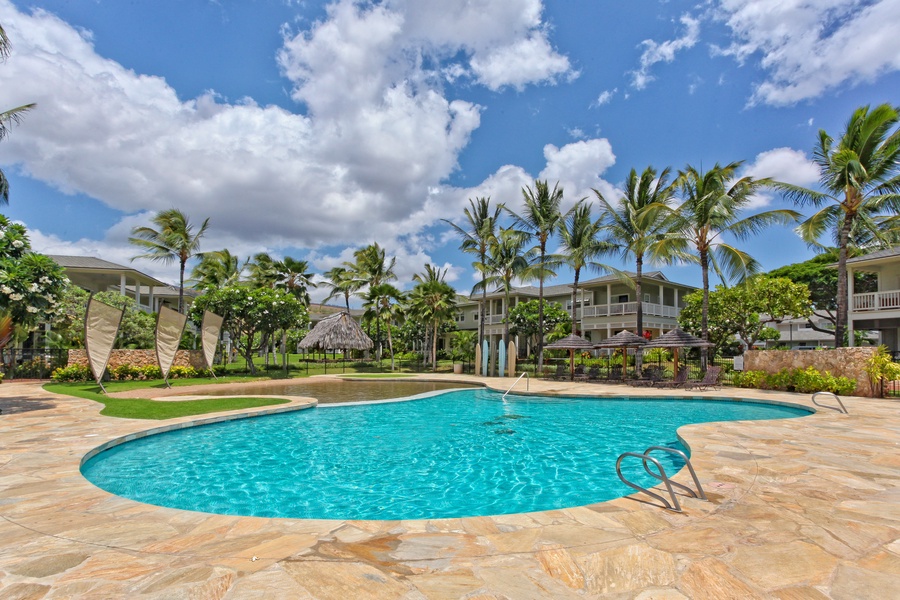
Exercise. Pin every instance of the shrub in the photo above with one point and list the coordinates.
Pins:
(34, 368)
(73, 374)
(749, 379)
(804, 381)
(180, 372)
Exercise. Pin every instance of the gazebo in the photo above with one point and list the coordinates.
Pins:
(624, 340)
(571, 343)
(337, 331)
(675, 339)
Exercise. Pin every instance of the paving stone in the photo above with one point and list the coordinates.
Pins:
(661, 594)
(342, 581)
(48, 565)
(627, 569)
(710, 579)
(781, 565)
(448, 585)
(560, 565)
(853, 583)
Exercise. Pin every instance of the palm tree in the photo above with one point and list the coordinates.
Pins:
(581, 247)
(507, 261)
(174, 240)
(482, 231)
(636, 221)
(861, 182)
(540, 219)
(434, 301)
(342, 282)
(712, 203)
(8, 118)
(294, 276)
(371, 269)
(263, 270)
(380, 302)
(216, 269)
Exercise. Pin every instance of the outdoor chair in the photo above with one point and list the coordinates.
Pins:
(652, 375)
(560, 372)
(579, 372)
(710, 380)
(679, 381)
(593, 373)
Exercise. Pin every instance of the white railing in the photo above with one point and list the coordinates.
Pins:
(877, 301)
(630, 308)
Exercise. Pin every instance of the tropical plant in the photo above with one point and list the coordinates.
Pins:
(637, 220)
(540, 220)
(342, 283)
(432, 301)
(581, 247)
(712, 205)
(482, 224)
(8, 118)
(525, 320)
(880, 367)
(263, 270)
(860, 176)
(173, 241)
(294, 277)
(462, 345)
(371, 266)
(380, 301)
(216, 269)
(507, 261)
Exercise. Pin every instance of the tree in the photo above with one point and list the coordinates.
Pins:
(712, 206)
(370, 269)
(860, 177)
(31, 284)
(173, 241)
(507, 261)
(251, 313)
(380, 301)
(216, 269)
(295, 277)
(481, 233)
(8, 118)
(263, 270)
(433, 301)
(526, 321)
(540, 220)
(746, 310)
(821, 278)
(639, 219)
(137, 331)
(581, 247)
(342, 282)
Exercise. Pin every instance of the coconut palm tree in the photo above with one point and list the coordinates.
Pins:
(215, 270)
(507, 261)
(8, 118)
(540, 220)
(263, 270)
(371, 266)
(294, 277)
(434, 301)
(173, 241)
(482, 224)
(342, 283)
(380, 302)
(581, 247)
(637, 220)
(712, 206)
(860, 179)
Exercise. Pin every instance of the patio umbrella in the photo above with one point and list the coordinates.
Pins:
(337, 331)
(624, 340)
(676, 339)
(571, 343)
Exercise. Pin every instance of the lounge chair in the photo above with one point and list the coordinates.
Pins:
(710, 380)
(579, 372)
(560, 372)
(593, 373)
(679, 381)
(651, 376)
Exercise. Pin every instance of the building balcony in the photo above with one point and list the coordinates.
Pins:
(873, 301)
(630, 308)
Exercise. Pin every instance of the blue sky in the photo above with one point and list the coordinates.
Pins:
(310, 129)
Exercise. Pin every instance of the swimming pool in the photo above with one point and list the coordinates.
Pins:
(450, 454)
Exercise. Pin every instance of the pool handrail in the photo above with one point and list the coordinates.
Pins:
(699, 493)
(527, 384)
(842, 408)
(662, 476)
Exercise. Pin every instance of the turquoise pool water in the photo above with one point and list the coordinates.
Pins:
(453, 454)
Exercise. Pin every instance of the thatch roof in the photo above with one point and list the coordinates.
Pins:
(337, 331)
(623, 339)
(572, 342)
(677, 339)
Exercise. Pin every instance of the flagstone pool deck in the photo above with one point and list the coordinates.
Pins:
(800, 508)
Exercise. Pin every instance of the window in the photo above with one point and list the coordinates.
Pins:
(646, 297)
(475, 315)
(460, 317)
(623, 298)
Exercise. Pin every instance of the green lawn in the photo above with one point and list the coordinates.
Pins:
(139, 408)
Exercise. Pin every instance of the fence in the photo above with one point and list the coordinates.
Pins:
(31, 363)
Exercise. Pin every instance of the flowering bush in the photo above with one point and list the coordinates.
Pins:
(72, 374)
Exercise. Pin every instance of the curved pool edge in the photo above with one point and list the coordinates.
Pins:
(129, 545)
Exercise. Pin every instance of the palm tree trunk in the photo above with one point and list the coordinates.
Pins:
(574, 309)
(506, 319)
(704, 313)
(180, 288)
(638, 276)
(840, 325)
(540, 349)
(434, 347)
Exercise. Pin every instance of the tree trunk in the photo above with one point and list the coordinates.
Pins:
(434, 348)
(540, 348)
(840, 326)
(180, 289)
(704, 314)
(574, 308)
(638, 355)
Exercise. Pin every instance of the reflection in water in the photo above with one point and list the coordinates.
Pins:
(339, 390)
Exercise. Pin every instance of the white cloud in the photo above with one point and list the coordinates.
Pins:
(529, 59)
(655, 52)
(606, 96)
(808, 48)
(781, 164)
(578, 166)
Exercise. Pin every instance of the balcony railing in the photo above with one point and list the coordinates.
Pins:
(876, 301)
(630, 308)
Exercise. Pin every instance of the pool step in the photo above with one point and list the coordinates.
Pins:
(661, 476)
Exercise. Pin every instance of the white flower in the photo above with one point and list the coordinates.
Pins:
(45, 280)
(18, 243)
(16, 297)
(34, 287)
(31, 309)
(6, 289)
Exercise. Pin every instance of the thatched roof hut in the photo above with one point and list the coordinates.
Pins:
(623, 339)
(337, 331)
(571, 343)
(676, 339)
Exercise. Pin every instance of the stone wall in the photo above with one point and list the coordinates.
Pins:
(840, 362)
(141, 358)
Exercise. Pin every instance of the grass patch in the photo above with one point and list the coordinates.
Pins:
(140, 408)
(378, 375)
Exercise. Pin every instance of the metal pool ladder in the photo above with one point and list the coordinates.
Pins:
(842, 408)
(525, 375)
(661, 476)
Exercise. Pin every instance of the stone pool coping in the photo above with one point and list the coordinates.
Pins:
(806, 507)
